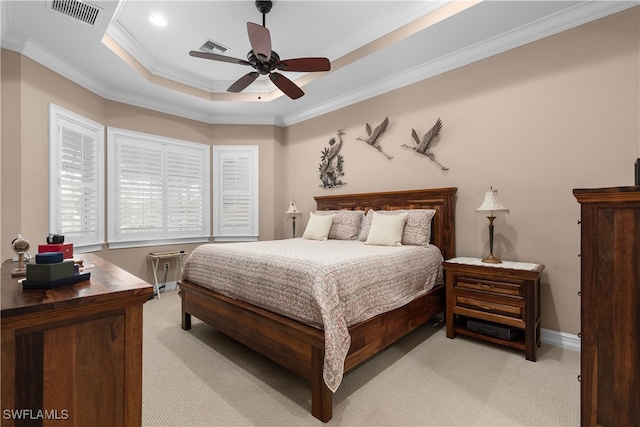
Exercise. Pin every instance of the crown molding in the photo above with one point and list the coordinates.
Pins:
(580, 14)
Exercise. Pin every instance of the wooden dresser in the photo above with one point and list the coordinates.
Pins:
(610, 300)
(72, 356)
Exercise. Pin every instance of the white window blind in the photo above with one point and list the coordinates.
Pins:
(235, 193)
(76, 197)
(159, 189)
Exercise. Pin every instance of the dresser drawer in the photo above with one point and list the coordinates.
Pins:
(507, 310)
(490, 286)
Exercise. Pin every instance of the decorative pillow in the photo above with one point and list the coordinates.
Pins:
(417, 229)
(386, 230)
(346, 224)
(318, 227)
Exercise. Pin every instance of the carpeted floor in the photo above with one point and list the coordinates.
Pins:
(202, 378)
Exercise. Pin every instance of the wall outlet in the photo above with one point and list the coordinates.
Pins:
(166, 266)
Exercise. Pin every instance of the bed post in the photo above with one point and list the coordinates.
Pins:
(321, 396)
(186, 317)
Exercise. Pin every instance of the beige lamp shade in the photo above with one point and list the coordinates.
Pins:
(293, 209)
(492, 203)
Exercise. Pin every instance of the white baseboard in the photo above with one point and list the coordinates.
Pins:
(560, 339)
(169, 286)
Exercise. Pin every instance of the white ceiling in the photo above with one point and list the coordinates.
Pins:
(374, 47)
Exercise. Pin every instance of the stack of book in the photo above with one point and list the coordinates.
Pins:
(52, 270)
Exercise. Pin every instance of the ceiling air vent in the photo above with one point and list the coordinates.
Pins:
(210, 46)
(77, 9)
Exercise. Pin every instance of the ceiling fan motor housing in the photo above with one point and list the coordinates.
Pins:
(263, 67)
(264, 6)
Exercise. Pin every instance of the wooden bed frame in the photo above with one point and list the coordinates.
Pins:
(300, 348)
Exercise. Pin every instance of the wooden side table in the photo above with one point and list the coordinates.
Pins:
(505, 294)
(155, 257)
(73, 354)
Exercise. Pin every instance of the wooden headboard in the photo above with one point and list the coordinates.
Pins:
(443, 200)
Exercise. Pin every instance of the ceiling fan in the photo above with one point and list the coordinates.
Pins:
(266, 61)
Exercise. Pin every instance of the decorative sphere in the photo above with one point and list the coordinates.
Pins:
(20, 244)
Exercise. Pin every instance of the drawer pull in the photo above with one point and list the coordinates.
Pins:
(484, 307)
(580, 335)
(484, 285)
(579, 378)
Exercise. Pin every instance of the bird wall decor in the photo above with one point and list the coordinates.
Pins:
(372, 138)
(422, 145)
(332, 163)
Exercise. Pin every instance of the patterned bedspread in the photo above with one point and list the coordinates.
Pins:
(328, 284)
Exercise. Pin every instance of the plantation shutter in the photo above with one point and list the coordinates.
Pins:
(76, 196)
(236, 196)
(185, 190)
(141, 189)
(78, 192)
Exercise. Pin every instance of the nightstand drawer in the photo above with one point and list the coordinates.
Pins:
(490, 307)
(499, 288)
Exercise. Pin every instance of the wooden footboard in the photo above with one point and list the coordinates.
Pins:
(299, 347)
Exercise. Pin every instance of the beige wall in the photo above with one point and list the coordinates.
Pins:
(28, 88)
(534, 122)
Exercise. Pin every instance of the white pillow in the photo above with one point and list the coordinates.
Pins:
(386, 230)
(318, 227)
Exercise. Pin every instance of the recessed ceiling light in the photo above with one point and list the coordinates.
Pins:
(158, 20)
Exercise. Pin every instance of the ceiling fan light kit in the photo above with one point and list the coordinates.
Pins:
(266, 61)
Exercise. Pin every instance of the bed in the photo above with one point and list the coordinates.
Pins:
(300, 343)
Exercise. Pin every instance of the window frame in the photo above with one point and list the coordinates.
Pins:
(116, 238)
(252, 231)
(58, 117)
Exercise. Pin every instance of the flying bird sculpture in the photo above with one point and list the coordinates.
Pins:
(422, 145)
(372, 138)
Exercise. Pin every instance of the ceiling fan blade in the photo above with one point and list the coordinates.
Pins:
(243, 82)
(260, 39)
(285, 85)
(213, 56)
(304, 64)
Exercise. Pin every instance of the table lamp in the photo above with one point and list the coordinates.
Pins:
(293, 212)
(491, 204)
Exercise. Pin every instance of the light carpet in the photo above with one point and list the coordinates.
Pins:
(202, 378)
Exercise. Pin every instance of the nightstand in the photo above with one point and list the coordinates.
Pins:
(506, 294)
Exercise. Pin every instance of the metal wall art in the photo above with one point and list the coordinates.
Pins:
(422, 145)
(372, 138)
(331, 167)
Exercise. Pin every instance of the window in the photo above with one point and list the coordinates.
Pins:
(235, 201)
(158, 190)
(76, 192)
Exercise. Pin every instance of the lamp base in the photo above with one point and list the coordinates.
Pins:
(17, 272)
(491, 259)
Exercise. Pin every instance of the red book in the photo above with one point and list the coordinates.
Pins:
(65, 248)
